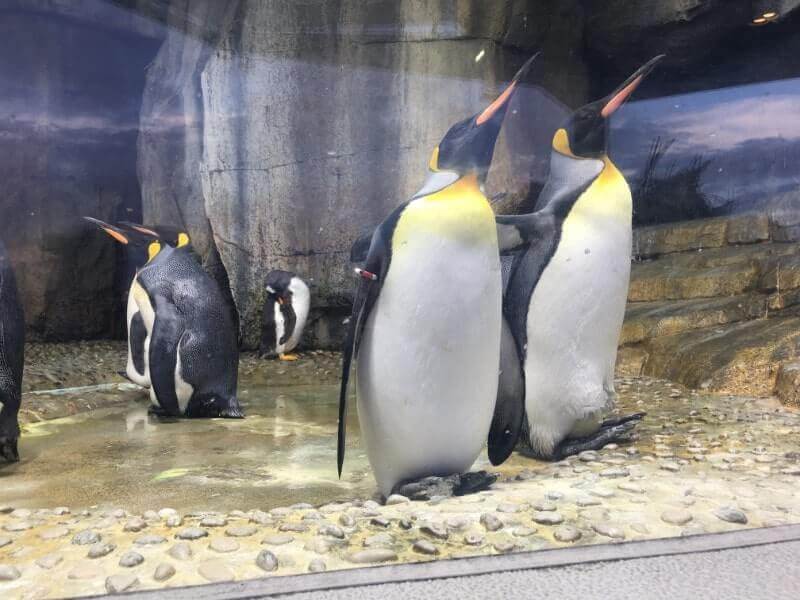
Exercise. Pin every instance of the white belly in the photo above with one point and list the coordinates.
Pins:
(427, 367)
(574, 321)
(142, 379)
(142, 301)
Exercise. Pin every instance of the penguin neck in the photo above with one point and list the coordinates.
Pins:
(464, 187)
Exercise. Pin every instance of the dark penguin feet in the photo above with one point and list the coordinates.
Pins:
(156, 411)
(452, 485)
(617, 429)
(8, 449)
(210, 408)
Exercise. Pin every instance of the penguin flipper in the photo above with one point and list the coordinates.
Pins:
(360, 248)
(514, 231)
(136, 339)
(167, 330)
(371, 279)
(509, 409)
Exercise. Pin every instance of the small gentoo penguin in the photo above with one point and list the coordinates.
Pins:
(12, 358)
(284, 315)
(136, 237)
(191, 350)
(567, 285)
(426, 321)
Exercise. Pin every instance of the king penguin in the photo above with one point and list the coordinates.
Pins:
(136, 237)
(567, 285)
(12, 358)
(284, 314)
(191, 352)
(426, 321)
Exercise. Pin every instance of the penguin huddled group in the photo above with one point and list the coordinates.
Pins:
(469, 329)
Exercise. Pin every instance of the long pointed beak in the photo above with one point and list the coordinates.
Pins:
(112, 230)
(140, 228)
(618, 97)
(503, 98)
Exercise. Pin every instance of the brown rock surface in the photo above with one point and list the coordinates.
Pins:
(787, 384)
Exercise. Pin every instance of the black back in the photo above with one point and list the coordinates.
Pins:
(279, 281)
(12, 357)
(377, 262)
(191, 314)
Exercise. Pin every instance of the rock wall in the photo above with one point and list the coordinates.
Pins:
(316, 120)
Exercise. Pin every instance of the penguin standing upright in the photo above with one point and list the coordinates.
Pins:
(191, 349)
(135, 237)
(568, 285)
(426, 320)
(284, 314)
(12, 358)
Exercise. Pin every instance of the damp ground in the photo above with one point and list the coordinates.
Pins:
(109, 499)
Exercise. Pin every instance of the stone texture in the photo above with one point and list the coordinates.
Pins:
(116, 584)
(373, 555)
(163, 572)
(215, 571)
(668, 238)
(787, 384)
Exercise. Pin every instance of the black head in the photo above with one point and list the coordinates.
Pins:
(139, 236)
(277, 286)
(585, 134)
(468, 146)
(173, 236)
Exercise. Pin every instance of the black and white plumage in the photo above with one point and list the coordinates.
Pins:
(284, 314)
(566, 274)
(12, 358)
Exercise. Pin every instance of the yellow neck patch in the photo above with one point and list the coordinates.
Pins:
(460, 211)
(152, 250)
(183, 240)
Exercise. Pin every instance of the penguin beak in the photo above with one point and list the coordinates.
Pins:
(618, 97)
(112, 230)
(502, 99)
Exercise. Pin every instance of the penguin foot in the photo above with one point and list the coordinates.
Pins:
(444, 487)
(156, 411)
(232, 411)
(288, 356)
(612, 430)
(8, 449)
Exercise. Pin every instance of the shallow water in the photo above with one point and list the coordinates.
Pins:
(283, 452)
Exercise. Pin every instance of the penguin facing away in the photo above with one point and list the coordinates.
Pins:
(568, 269)
(191, 351)
(135, 236)
(284, 314)
(12, 359)
(427, 311)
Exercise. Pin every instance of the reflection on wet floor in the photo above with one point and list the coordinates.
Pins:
(283, 452)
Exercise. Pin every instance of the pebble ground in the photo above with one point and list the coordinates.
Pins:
(702, 463)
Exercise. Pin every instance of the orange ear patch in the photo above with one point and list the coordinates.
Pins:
(496, 105)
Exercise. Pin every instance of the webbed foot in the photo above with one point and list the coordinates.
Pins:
(8, 449)
(155, 410)
(452, 485)
(288, 357)
(615, 429)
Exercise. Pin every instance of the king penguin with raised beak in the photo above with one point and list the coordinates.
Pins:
(426, 320)
(567, 287)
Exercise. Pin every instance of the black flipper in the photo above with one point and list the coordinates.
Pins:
(509, 409)
(167, 331)
(136, 338)
(268, 342)
(360, 248)
(289, 322)
(371, 278)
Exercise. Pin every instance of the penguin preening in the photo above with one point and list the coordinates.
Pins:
(284, 314)
(191, 353)
(12, 358)
(135, 238)
(427, 311)
(566, 288)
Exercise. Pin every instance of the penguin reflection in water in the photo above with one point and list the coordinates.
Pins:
(426, 319)
(12, 357)
(566, 288)
(191, 355)
(284, 314)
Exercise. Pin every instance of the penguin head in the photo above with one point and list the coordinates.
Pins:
(277, 285)
(153, 239)
(585, 133)
(468, 146)
(172, 236)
